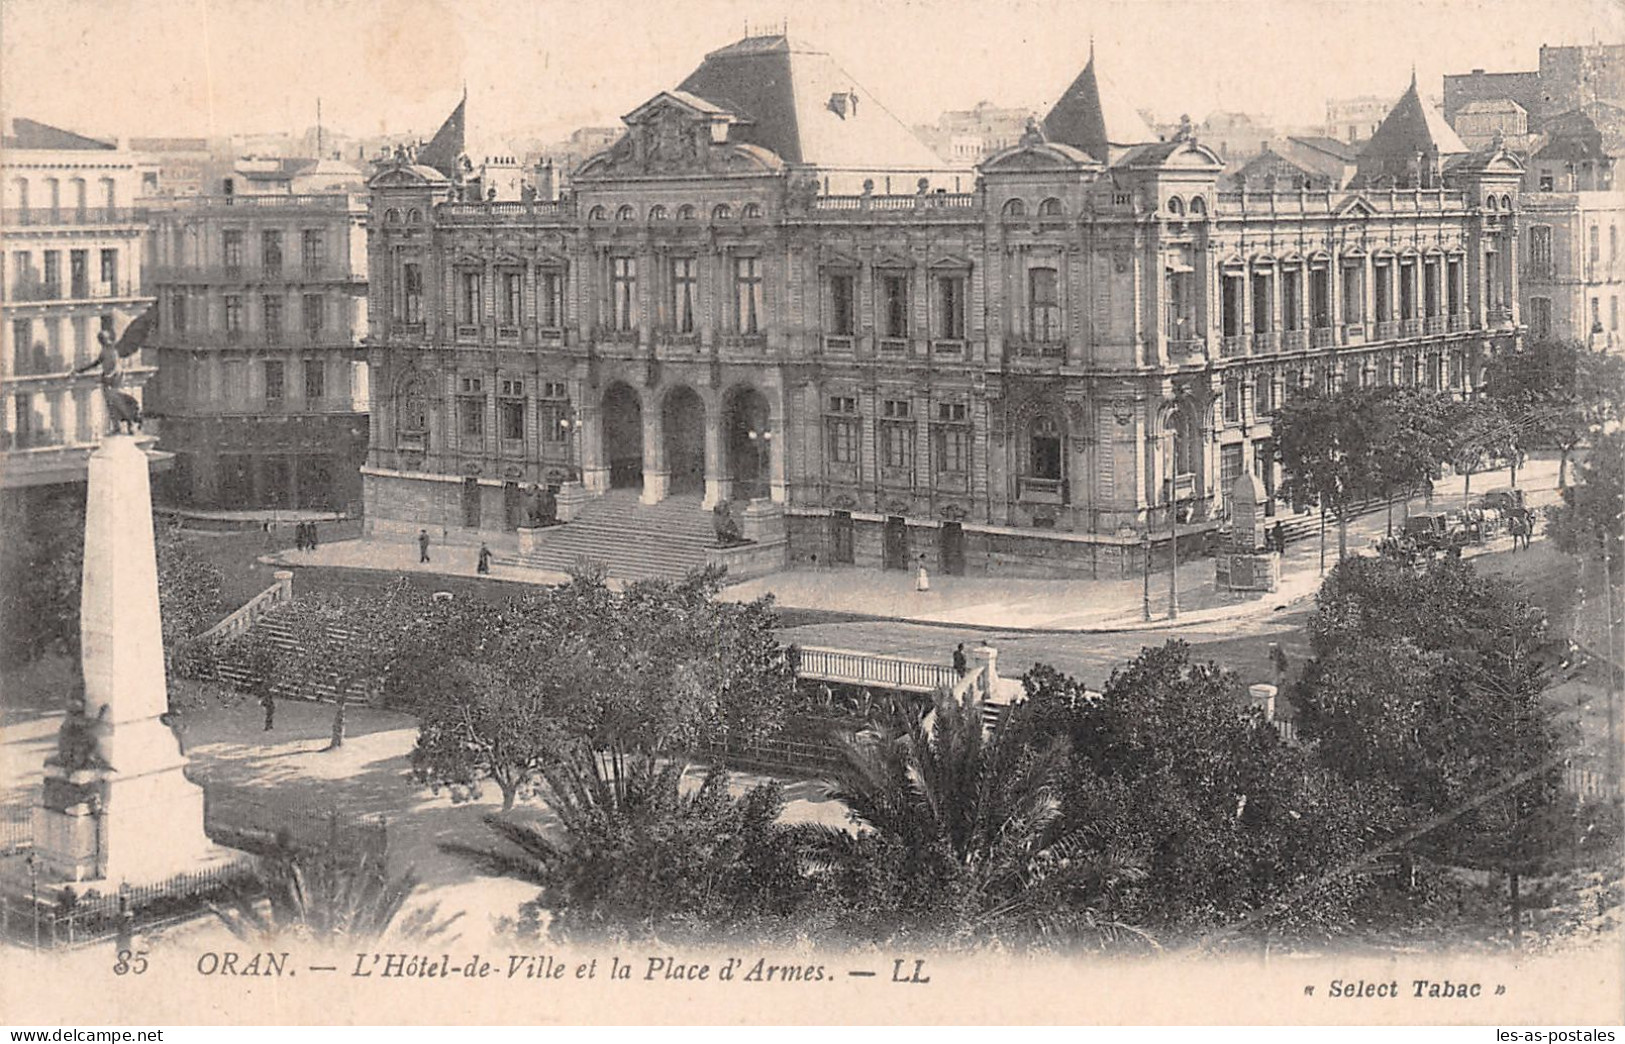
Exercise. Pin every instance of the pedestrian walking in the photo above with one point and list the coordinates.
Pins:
(310, 537)
(960, 664)
(1279, 534)
(922, 579)
(269, 703)
(423, 545)
(484, 568)
(266, 528)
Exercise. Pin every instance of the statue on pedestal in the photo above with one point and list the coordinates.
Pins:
(121, 406)
(79, 740)
(725, 525)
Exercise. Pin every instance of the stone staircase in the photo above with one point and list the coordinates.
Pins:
(634, 541)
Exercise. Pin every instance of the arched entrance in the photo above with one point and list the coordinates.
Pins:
(749, 441)
(623, 436)
(682, 424)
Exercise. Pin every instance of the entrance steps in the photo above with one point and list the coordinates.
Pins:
(632, 540)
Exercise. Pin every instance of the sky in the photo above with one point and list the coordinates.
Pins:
(541, 68)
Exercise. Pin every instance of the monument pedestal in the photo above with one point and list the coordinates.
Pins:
(116, 804)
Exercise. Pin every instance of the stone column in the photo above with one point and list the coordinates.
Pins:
(655, 474)
(718, 485)
(594, 468)
(776, 453)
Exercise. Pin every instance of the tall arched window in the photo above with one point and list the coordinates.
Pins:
(1198, 206)
(597, 214)
(657, 213)
(1044, 449)
(1050, 208)
(1015, 208)
(1176, 206)
(685, 212)
(721, 212)
(752, 212)
(625, 213)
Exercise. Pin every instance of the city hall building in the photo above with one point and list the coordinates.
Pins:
(769, 289)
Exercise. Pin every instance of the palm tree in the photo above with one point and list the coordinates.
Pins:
(325, 898)
(987, 806)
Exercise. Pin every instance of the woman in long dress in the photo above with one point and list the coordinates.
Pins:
(922, 579)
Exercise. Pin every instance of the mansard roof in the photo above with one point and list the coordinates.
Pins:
(1092, 115)
(1411, 128)
(796, 102)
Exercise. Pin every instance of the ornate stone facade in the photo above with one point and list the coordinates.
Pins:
(1024, 377)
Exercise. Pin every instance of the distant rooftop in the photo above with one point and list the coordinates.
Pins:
(31, 134)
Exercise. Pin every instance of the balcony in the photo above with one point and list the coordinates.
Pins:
(1323, 336)
(752, 341)
(896, 347)
(1194, 348)
(253, 275)
(838, 343)
(1233, 345)
(1353, 333)
(1042, 490)
(466, 331)
(1387, 329)
(948, 349)
(1436, 324)
(1459, 321)
(34, 292)
(417, 329)
(1410, 327)
(46, 217)
(508, 333)
(1295, 340)
(1266, 341)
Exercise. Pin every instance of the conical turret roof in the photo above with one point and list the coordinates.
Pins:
(1094, 116)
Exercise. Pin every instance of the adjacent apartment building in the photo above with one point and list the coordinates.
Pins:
(765, 291)
(70, 245)
(262, 308)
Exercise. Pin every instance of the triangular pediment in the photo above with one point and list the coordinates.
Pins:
(1355, 207)
(950, 261)
(679, 103)
(467, 260)
(509, 260)
(838, 259)
(890, 259)
(551, 259)
(1041, 156)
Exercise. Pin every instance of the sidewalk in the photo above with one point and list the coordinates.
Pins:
(995, 603)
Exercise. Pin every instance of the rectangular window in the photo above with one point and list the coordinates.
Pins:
(1540, 250)
(684, 280)
(22, 274)
(1263, 400)
(110, 269)
(273, 317)
(843, 404)
(951, 412)
(1044, 305)
(313, 316)
(471, 385)
(897, 446)
(231, 251)
(1452, 271)
(952, 449)
(177, 311)
(513, 419)
(412, 286)
(513, 303)
(1407, 291)
(273, 382)
(315, 381)
(1230, 306)
(554, 390)
(22, 345)
(1263, 303)
(555, 418)
(271, 252)
(1596, 244)
(1540, 318)
(950, 317)
(748, 294)
(1320, 296)
(79, 274)
(234, 317)
(550, 303)
(843, 440)
(1382, 291)
(842, 304)
(894, 305)
(1353, 294)
(624, 293)
(896, 409)
(468, 300)
(315, 251)
(1292, 299)
(471, 417)
(51, 277)
(1232, 400)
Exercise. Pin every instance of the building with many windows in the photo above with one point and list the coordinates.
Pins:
(71, 250)
(764, 290)
(262, 308)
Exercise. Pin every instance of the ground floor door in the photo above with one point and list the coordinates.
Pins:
(953, 548)
(895, 549)
(840, 538)
(471, 502)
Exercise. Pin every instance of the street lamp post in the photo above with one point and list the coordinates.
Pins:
(761, 440)
(1173, 518)
(1145, 559)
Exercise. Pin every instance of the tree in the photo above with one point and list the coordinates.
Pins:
(1171, 769)
(1433, 681)
(1559, 391)
(326, 898)
(1481, 435)
(968, 832)
(485, 723)
(188, 595)
(1406, 430)
(1326, 448)
(645, 860)
(1591, 518)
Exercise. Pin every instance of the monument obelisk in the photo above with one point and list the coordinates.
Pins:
(116, 805)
